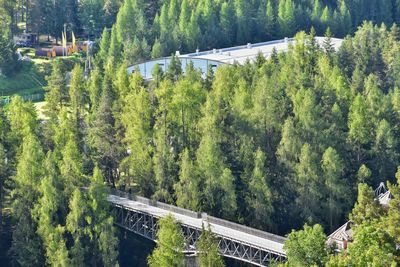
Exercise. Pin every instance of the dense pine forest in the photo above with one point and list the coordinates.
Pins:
(159, 27)
(298, 139)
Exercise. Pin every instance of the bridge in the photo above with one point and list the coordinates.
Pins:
(140, 215)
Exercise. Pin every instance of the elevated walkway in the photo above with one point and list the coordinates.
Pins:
(140, 215)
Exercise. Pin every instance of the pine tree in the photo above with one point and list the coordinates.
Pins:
(115, 50)
(187, 190)
(307, 247)
(8, 58)
(170, 244)
(77, 96)
(345, 19)
(244, 23)
(27, 248)
(359, 124)
(367, 207)
(228, 23)
(23, 121)
(218, 180)
(174, 69)
(208, 249)
(316, 15)
(103, 133)
(384, 149)
(71, 167)
(77, 224)
(308, 184)
(101, 223)
(259, 199)
(393, 218)
(94, 89)
(49, 212)
(164, 165)
(104, 45)
(136, 118)
(363, 174)
(286, 18)
(333, 169)
(289, 147)
(270, 23)
(57, 93)
(187, 99)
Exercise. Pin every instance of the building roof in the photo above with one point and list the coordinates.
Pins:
(342, 233)
(216, 57)
(385, 198)
(243, 53)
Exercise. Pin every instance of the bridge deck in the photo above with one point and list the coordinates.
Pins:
(263, 240)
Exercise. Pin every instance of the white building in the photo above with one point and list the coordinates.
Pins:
(216, 57)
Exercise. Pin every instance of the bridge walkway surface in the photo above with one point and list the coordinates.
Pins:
(140, 215)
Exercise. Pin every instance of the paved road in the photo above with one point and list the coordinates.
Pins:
(274, 243)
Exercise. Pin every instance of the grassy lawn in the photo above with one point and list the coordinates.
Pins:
(29, 80)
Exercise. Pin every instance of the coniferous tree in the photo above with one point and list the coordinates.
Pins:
(259, 199)
(307, 247)
(393, 218)
(77, 224)
(49, 212)
(27, 248)
(103, 133)
(308, 184)
(101, 223)
(57, 93)
(333, 169)
(286, 18)
(359, 123)
(104, 45)
(77, 97)
(209, 250)
(187, 190)
(170, 244)
(136, 119)
(367, 207)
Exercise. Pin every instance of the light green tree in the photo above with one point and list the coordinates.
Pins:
(307, 247)
(170, 244)
(260, 197)
(207, 246)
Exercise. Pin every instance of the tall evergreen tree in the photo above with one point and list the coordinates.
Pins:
(208, 249)
(187, 190)
(27, 248)
(170, 244)
(259, 199)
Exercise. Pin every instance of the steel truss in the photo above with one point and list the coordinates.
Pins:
(145, 225)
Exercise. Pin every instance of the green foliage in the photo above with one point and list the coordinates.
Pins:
(9, 64)
(187, 189)
(57, 93)
(367, 207)
(259, 199)
(208, 250)
(307, 247)
(25, 194)
(170, 244)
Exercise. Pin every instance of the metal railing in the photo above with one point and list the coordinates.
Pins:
(198, 215)
(4, 100)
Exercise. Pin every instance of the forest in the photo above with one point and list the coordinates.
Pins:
(154, 28)
(294, 141)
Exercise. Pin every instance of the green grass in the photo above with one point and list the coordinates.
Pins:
(29, 80)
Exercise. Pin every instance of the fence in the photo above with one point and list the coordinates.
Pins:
(205, 216)
(4, 100)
